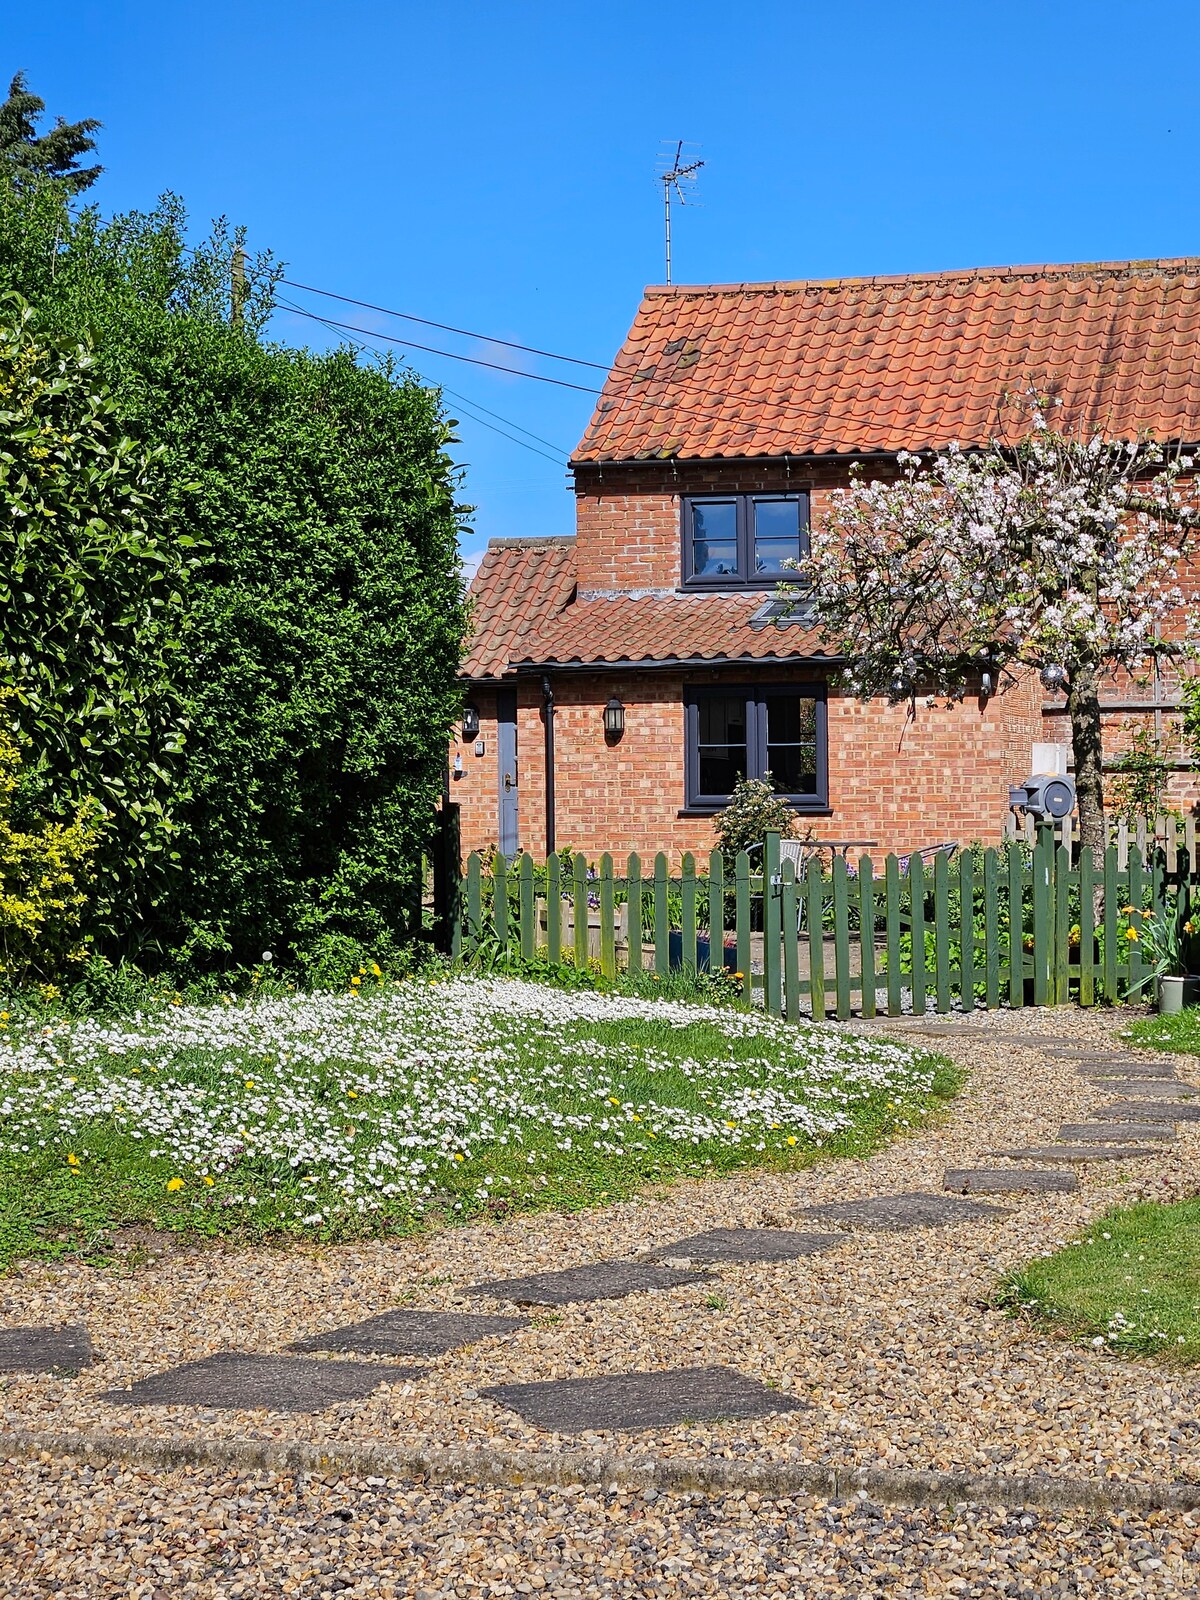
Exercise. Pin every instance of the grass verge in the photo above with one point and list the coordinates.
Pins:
(381, 1110)
(1130, 1283)
(1178, 1033)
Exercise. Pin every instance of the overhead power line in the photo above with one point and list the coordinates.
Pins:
(445, 327)
(559, 459)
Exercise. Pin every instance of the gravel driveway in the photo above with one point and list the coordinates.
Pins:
(887, 1339)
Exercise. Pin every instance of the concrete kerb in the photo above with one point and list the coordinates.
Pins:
(574, 1468)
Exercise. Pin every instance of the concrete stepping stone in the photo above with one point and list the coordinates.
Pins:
(1076, 1152)
(62, 1350)
(597, 1280)
(1149, 1111)
(412, 1333)
(1164, 1073)
(1148, 1088)
(745, 1244)
(893, 1212)
(1015, 1180)
(1113, 1132)
(236, 1382)
(629, 1401)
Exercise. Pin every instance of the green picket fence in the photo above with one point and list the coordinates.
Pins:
(1021, 925)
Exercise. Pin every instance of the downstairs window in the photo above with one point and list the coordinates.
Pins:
(777, 731)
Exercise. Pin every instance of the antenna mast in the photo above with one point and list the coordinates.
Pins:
(674, 178)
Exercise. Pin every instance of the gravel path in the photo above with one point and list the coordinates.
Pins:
(191, 1536)
(887, 1338)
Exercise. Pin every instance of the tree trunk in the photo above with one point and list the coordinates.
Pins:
(1083, 706)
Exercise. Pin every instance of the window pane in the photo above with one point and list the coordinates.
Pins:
(776, 534)
(792, 743)
(722, 743)
(714, 539)
(720, 769)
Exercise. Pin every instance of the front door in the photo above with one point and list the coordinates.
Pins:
(506, 748)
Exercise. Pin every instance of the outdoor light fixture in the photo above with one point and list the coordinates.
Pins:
(470, 722)
(1054, 676)
(614, 720)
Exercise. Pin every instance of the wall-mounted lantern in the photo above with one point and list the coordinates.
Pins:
(614, 720)
(470, 722)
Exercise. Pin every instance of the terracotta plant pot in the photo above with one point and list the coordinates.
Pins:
(1176, 994)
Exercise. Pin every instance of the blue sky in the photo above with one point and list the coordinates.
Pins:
(493, 165)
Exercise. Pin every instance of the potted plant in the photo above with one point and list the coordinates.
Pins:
(1168, 941)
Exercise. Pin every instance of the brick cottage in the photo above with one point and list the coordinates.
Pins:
(619, 680)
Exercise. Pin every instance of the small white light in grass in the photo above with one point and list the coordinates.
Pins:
(267, 956)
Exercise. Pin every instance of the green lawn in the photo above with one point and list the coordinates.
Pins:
(1130, 1283)
(331, 1116)
(1181, 1032)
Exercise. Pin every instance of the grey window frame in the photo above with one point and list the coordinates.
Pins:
(756, 696)
(745, 577)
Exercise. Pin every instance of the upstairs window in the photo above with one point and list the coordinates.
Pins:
(741, 541)
(775, 730)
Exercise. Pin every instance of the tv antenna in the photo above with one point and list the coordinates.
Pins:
(675, 179)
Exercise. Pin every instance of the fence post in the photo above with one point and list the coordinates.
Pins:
(1087, 926)
(608, 937)
(966, 929)
(1137, 893)
(1062, 926)
(1112, 895)
(633, 957)
(841, 937)
(815, 908)
(474, 899)
(716, 912)
(991, 930)
(772, 916)
(525, 887)
(500, 900)
(941, 930)
(553, 911)
(866, 935)
(687, 895)
(916, 907)
(662, 921)
(447, 880)
(579, 911)
(741, 925)
(891, 902)
(791, 943)
(1043, 915)
(1016, 925)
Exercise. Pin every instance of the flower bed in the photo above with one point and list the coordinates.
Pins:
(335, 1114)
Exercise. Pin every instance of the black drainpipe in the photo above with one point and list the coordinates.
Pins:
(548, 719)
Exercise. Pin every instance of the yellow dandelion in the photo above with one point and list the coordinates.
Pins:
(791, 1138)
(249, 1083)
(355, 981)
(376, 969)
(72, 1160)
(457, 1157)
(208, 1180)
(351, 1094)
(1132, 935)
(174, 1185)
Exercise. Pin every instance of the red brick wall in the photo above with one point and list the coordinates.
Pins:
(627, 518)
(901, 777)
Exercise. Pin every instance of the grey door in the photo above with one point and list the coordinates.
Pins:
(506, 748)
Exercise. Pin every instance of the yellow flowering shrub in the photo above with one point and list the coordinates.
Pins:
(44, 877)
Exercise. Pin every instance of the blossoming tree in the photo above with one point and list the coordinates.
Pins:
(1055, 552)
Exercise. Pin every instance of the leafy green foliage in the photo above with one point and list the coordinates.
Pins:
(754, 810)
(91, 613)
(44, 876)
(30, 157)
(1138, 791)
(325, 604)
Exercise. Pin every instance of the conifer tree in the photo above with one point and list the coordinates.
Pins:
(29, 155)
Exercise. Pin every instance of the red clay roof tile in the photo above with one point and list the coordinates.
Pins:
(664, 627)
(864, 365)
(519, 583)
